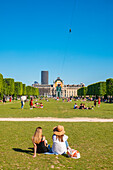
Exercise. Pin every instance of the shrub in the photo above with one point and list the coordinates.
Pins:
(8, 86)
(109, 87)
(1, 86)
(18, 89)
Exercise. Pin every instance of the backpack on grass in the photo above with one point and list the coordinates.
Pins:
(73, 153)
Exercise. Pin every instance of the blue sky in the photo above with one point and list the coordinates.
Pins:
(34, 36)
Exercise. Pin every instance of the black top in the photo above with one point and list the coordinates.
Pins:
(41, 148)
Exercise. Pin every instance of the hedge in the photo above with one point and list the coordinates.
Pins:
(18, 89)
(24, 89)
(109, 87)
(8, 86)
(1, 86)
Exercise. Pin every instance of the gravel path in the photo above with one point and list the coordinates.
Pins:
(52, 119)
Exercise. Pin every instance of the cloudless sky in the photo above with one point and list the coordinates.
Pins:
(34, 36)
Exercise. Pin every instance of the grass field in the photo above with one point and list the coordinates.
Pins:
(56, 109)
(93, 141)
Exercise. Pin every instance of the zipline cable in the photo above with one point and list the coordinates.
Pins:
(69, 35)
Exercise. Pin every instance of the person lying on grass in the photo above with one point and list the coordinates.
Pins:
(38, 105)
(60, 144)
(39, 142)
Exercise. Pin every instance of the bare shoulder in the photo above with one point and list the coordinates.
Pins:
(43, 138)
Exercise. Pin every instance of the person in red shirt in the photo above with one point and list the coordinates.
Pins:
(99, 102)
(10, 99)
(31, 103)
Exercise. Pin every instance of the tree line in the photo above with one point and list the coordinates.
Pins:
(97, 89)
(9, 87)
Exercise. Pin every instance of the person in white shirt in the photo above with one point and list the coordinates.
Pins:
(60, 143)
(75, 106)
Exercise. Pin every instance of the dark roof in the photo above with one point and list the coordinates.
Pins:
(58, 79)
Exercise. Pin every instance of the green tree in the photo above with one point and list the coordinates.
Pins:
(82, 91)
(18, 88)
(29, 91)
(24, 89)
(1, 86)
(35, 91)
(79, 93)
(5, 88)
(100, 89)
(97, 89)
(9, 86)
(89, 90)
(109, 87)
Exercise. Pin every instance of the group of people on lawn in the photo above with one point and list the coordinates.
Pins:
(36, 105)
(82, 106)
(60, 144)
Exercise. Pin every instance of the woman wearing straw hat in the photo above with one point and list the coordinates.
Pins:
(60, 143)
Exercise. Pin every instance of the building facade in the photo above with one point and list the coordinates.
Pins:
(44, 77)
(58, 89)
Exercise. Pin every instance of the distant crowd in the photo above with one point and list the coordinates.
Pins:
(36, 105)
(82, 106)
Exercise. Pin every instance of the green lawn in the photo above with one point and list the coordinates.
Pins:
(94, 141)
(55, 109)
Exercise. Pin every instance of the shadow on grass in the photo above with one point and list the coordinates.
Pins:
(24, 151)
(17, 108)
(65, 155)
(31, 151)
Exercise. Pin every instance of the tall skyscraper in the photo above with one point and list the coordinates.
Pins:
(44, 77)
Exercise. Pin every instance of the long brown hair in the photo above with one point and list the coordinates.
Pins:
(60, 138)
(38, 135)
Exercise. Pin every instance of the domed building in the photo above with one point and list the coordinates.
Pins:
(58, 89)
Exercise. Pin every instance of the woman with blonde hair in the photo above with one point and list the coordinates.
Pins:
(39, 142)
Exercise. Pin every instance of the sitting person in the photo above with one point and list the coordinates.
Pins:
(39, 142)
(38, 105)
(35, 105)
(90, 107)
(81, 106)
(85, 107)
(41, 105)
(75, 106)
(60, 144)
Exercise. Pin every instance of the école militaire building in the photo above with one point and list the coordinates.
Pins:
(57, 89)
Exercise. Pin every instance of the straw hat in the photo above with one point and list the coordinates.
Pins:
(58, 130)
